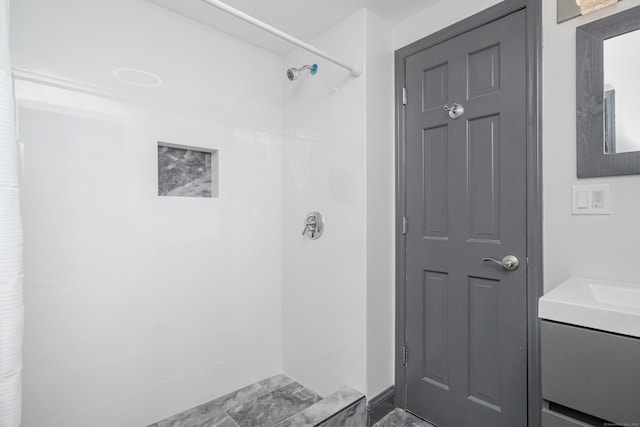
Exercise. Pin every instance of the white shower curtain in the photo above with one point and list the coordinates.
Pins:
(11, 308)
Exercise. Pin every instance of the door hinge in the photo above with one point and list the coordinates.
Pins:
(404, 96)
(405, 355)
(405, 225)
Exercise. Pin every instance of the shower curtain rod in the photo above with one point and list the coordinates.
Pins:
(353, 69)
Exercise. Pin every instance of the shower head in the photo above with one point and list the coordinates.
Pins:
(294, 73)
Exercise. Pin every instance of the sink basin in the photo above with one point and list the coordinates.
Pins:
(599, 304)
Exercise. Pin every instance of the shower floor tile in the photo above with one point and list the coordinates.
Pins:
(400, 418)
(269, 409)
(263, 404)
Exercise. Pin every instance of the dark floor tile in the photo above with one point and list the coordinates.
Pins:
(223, 420)
(307, 395)
(400, 418)
(196, 416)
(301, 392)
(262, 404)
(276, 382)
(324, 409)
(272, 408)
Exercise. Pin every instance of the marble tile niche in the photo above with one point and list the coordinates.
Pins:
(187, 171)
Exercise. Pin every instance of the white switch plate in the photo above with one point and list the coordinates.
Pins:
(591, 200)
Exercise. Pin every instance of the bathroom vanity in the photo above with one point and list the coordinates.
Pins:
(590, 339)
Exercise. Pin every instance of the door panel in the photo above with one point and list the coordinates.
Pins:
(435, 86)
(484, 178)
(435, 163)
(466, 200)
(436, 367)
(484, 71)
(484, 342)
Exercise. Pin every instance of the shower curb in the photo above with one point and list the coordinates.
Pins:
(332, 410)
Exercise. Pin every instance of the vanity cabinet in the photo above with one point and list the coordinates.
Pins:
(591, 372)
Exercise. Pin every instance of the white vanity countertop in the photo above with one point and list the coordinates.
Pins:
(593, 303)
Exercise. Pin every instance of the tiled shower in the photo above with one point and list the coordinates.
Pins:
(141, 306)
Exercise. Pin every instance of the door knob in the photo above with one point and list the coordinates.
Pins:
(456, 111)
(509, 263)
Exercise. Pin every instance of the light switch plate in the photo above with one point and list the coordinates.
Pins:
(591, 199)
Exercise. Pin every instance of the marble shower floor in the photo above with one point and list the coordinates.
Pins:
(263, 404)
(400, 418)
(278, 401)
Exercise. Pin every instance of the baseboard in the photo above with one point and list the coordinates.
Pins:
(380, 405)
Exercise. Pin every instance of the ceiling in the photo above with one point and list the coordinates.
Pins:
(303, 19)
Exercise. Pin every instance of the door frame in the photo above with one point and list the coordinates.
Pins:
(534, 189)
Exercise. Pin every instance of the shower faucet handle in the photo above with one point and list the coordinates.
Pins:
(313, 225)
(310, 226)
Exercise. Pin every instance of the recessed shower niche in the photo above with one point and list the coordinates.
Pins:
(185, 171)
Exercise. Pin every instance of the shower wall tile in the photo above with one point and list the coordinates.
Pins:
(140, 307)
(380, 207)
(184, 54)
(324, 281)
(338, 158)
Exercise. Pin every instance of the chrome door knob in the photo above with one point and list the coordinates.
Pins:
(509, 263)
(456, 111)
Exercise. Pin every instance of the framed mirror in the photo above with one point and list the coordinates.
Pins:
(608, 95)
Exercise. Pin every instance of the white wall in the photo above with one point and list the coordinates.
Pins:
(338, 159)
(436, 17)
(592, 246)
(380, 206)
(324, 166)
(138, 307)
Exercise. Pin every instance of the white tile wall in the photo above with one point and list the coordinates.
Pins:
(324, 166)
(338, 158)
(380, 208)
(138, 307)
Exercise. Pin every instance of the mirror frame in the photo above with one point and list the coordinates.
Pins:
(592, 159)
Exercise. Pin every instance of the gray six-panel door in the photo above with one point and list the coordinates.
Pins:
(466, 200)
